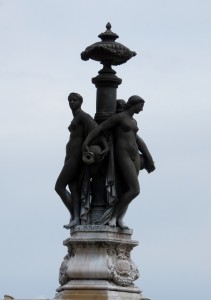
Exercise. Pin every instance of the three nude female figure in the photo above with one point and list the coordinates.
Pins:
(127, 146)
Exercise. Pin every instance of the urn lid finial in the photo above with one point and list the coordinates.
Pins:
(108, 25)
(108, 35)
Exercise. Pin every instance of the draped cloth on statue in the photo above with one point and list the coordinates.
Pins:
(86, 197)
(110, 186)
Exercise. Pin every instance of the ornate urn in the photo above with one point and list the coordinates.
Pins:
(108, 52)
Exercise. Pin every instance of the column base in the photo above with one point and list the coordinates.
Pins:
(98, 265)
(96, 290)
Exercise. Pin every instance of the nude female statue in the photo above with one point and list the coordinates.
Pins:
(70, 175)
(121, 105)
(127, 145)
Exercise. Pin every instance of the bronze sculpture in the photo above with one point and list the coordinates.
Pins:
(102, 186)
(126, 146)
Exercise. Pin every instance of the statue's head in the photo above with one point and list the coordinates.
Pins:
(137, 102)
(121, 105)
(75, 100)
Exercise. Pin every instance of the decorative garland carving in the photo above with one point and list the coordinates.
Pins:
(122, 270)
(63, 277)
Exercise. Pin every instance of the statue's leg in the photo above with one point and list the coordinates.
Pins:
(60, 188)
(76, 202)
(66, 226)
(120, 218)
(129, 174)
(69, 171)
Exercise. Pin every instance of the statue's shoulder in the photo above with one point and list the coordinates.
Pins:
(85, 118)
(88, 122)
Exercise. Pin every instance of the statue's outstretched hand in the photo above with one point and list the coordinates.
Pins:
(150, 166)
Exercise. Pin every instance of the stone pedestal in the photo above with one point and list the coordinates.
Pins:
(98, 265)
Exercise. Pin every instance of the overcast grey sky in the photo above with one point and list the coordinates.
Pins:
(41, 42)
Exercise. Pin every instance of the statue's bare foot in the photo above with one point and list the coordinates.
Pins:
(67, 226)
(122, 225)
(74, 222)
(112, 222)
